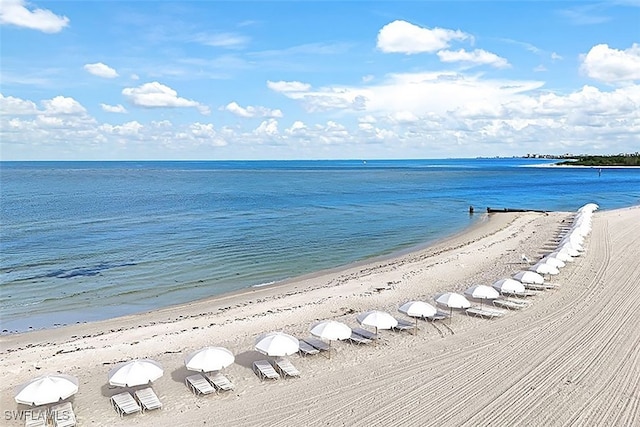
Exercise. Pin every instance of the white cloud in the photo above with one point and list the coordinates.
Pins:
(250, 111)
(404, 37)
(15, 12)
(477, 56)
(132, 128)
(283, 86)
(62, 105)
(157, 95)
(10, 105)
(101, 70)
(612, 65)
(268, 127)
(225, 40)
(555, 56)
(113, 108)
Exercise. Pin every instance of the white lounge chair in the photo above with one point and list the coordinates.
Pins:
(264, 370)
(487, 313)
(286, 368)
(125, 404)
(199, 385)
(148, 399)
(405, 325)
(317, 344)
(36, 419)
(306, 349)
(511, 305)
(364, 333)
(359, 339)
(220, 382)
(440, 315)
(62, 415)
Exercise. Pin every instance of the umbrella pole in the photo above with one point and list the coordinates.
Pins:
(416, 330)
(450, 315)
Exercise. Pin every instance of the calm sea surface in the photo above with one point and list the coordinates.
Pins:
(85, 241)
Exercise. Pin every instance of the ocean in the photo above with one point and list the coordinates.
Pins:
(84, 241)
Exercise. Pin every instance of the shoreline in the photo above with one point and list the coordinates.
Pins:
(524, 358)
(274, 286)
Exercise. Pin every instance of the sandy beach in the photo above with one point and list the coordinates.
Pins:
(572, 357)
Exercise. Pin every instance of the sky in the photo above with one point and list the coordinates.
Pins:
(224, 80)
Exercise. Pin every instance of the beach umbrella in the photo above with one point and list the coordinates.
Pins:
(529, 277)
(277, 344)
(331, 330)
(453, 300)
(377, 319)
(482, 292)
(553, 261)
(46, 389)
(418, 309)
(562, 256)
(544, 268)
(135, 372)
(209, 359)
(569, 250)
(508, 286)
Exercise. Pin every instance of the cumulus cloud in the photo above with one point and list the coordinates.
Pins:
(476, 57)
(10, 105)
(268, 127)
(157, 95)
(16, 12)
(404, 37)
(62, 105)
(113, 108)
(101, 70)
(611, 65)
(251, 111)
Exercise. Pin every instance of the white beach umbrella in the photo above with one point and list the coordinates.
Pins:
(544, 268)
(562, 256)
(508, 286)
(277, 344)
(569, 250)
(135, 372)
(418, 309)
(557, 263)
(453, 300)
(377, 319)
(482, 292)
(46, 389)
(209, 359)
(529, 277)
(331, 330)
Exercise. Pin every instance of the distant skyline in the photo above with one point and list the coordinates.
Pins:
(223, 80)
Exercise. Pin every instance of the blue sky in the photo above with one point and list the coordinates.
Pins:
(110, 80)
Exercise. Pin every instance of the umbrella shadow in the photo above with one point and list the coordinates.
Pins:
(246, 358)
(108, 390)
(180, 374)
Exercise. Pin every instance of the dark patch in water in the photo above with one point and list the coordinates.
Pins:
(85, 271)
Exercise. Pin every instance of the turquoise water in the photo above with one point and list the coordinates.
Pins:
(85, 241)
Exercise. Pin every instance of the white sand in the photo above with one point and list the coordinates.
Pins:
(571, 358)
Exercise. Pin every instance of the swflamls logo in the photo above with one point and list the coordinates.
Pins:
(33, 415)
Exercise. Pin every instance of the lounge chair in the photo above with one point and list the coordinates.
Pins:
(510, 304)
(125, 404)
(364, 333)
(264, 370)
(306, 349)
(220, 382)
(404, 325)
(487, 313)
(359, 339)
(286, 368)
(317, 344)
(36, 419)
(199, 385)
(148, 399)
(62, 415)
(440, 315)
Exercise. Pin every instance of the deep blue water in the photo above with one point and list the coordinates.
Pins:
(92, 240)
